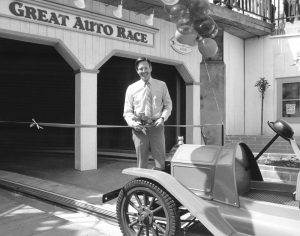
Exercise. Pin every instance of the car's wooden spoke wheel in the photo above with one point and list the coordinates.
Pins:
(144, 208)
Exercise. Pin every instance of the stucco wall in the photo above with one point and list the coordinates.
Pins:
(212, 101)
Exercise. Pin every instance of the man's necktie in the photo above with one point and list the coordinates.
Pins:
(148, 101)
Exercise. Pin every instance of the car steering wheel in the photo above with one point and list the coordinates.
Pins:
(282, 128)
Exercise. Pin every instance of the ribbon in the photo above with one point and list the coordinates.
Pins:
(35, 124)
(41, 125)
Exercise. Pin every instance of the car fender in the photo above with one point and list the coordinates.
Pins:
(205, 212)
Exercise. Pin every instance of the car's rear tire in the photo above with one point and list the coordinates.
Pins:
(145, 208)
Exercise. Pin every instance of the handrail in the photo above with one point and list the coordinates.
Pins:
(261, 9)
(276, 12)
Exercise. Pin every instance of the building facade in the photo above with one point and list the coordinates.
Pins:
(73, 65)
(275, 58)
(70, 67)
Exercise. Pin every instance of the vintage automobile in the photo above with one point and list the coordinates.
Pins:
(219, 186)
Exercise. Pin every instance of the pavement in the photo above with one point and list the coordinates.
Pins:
(21, 215)
(52, 176)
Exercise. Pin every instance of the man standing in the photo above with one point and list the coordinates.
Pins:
(147, 106)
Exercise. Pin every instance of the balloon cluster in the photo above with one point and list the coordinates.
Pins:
(194, 25)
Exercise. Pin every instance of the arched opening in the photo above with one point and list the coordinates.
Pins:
(113, 79)
(35, 82)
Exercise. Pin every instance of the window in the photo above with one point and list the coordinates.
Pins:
(289, 99)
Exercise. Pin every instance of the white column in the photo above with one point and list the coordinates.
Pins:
(86, 113)
(193, 135)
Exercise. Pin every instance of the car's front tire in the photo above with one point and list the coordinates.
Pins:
(145, 208)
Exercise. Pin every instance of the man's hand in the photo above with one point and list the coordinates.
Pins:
(137, 126)
(159, 122)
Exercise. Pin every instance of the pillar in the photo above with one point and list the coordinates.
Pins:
(86, 113)
(193, 134)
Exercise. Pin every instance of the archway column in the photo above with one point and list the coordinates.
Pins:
(193, 134)
(86, 114)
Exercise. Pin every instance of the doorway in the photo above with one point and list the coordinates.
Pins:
(35, 82)
(113, 79)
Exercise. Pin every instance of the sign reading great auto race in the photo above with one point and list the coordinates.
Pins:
(61, 19)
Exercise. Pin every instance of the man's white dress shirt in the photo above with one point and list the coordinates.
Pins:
(134, 100)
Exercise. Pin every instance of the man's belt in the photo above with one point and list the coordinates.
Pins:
(147, 122)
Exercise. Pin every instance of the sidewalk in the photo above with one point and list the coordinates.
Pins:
(25, 216)
(53, 177)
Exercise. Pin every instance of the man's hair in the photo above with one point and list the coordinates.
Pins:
(141, 59)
